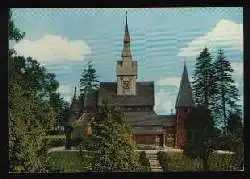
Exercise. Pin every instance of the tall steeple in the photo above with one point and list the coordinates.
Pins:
(184, 98)
(126, 69)
(126, 53)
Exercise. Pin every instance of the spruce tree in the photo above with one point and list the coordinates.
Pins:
(88, 82)
(110, 146)
(227, 93)
(203, 79)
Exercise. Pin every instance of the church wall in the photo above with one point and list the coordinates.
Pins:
(181, 131)
(147, 139)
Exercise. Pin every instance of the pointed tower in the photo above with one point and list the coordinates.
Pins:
(75, 108)
(126, 69)
(183, 106)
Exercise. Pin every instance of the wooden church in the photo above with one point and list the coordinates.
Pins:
(137, 100)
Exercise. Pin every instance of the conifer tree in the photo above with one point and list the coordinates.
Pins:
(227, 93)
(88, 82)
(203, 79)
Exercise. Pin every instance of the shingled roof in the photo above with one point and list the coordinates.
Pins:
(144, 95)
(145, 130)
(154, 120)
(184, 98)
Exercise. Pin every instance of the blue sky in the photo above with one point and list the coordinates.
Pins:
(63, 40)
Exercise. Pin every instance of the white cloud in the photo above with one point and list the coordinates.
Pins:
(225, 33)
(164, 102)
(175, 81)
(52, 48)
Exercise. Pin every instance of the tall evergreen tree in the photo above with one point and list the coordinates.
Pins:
(203, 79)
(88, 82)
(110, 145)
(227, 93)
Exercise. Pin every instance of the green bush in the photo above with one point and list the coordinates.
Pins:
(177, 161)
(169, 141)
(162, 158)
(144, 162)
(67, 161)
(79, 135)
(55, 140)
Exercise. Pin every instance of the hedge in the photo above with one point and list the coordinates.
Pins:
(67, 161)
(55, 140)
(177, 161)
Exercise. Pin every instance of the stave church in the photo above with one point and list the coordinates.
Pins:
(137, 99)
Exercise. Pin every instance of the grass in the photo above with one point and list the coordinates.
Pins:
(177, 161)
(67, 161)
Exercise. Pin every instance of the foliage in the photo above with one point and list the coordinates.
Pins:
(162, 158)
(55, 141)
(14, 33)
(79, 135)
(203, 79)
(235, 125)
(169, 141)
(200, 134)
(110, 144)
(28, 121)
(227, 93)
(61, 108)
(144, 162)
(67, 161)
(30, 115)
(88, 81)
(177, 161)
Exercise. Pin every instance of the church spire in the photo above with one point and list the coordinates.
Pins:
(74, 97)
(184, 98)
(126, 53)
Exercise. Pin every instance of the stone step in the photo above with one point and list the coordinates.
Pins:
(156, 170)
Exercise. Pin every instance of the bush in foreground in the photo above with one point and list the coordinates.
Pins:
(162, 158)
(144, 162)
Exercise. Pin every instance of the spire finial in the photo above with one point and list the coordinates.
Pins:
(126, 17)
(74, 93)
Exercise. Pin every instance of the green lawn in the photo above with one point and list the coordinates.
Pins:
(67, 161)
(177, 161)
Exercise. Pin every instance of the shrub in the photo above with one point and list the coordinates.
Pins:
(169, 141)
(144, 161)
(67, 161)
(162, 158)
(55, 141)
(177, 161)
(79, 135)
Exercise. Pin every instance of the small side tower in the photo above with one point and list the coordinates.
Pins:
(75, 110)
(184, 105)
(75, 113)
